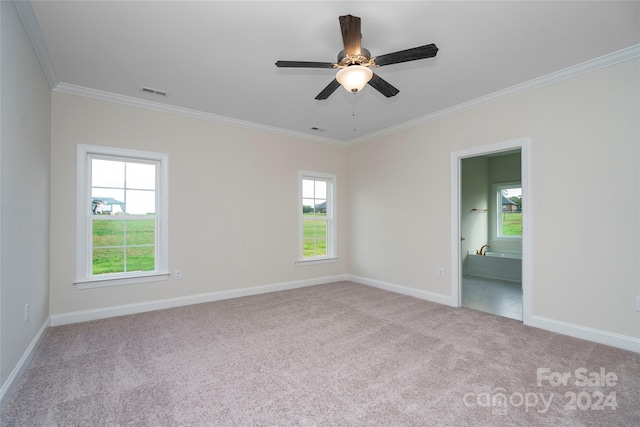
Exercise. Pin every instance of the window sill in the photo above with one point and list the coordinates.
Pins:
(303, 262)
(101, 283)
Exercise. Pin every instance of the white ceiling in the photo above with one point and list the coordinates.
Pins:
(217, 57)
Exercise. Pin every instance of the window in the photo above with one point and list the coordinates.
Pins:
(121, 234)
(509, 210)
(317, 210)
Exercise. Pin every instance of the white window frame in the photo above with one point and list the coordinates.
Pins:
(497, 194)
(84, 260)
(331, 255)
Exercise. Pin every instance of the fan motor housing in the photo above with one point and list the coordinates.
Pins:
(344, 60)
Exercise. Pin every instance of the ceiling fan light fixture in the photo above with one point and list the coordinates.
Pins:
(354, 77)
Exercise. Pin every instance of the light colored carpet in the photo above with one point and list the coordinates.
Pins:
(334, 354)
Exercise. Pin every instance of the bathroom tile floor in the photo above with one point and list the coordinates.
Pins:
(500, 297)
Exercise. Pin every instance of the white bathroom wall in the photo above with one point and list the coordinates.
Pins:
(474, 206)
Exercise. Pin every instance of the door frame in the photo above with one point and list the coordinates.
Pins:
(527, 234)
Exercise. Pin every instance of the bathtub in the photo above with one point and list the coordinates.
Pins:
(496, 265)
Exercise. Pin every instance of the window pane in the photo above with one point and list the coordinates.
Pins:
(314, 195)
(307, 189)
(308, 238)
(107, 201)
(314, 241)
(510, 220)
(321, 189)
(108, 260)
(317, 236)
(141, 176)
(107, 173)
(511, 223)
(140, 259)
(125, 231)
(307, 206)
(141, 232)
(321, 207)
(321, 238)
(108, 233)
(308, 248)
(141, 202)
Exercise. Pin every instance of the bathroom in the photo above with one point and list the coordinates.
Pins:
(491, 232)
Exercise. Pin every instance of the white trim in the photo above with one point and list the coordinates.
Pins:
(6, 384)
(612, 339)
(9, 386)
(496, 213)
(314, 261)
(108, 281)
(564, 328)
(574, 71)
(404, 290)
(83, 190)
(527, 220)
(30, 24)
(123, 310)
(186, 112)
(540, 82)
(29, 21)
(332, 223)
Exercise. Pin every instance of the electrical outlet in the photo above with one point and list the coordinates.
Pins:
(440, 272)
(637, 303)
(178, 275)
(26, 312)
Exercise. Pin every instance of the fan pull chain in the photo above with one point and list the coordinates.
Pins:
(353, 113)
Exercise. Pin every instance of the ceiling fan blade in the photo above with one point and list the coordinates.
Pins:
(351, 36)
(382, 86)
(327, 91)
(421, 52)
(303, 64)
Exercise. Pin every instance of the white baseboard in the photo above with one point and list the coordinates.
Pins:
(11, 383)
(425, 295)
(564, 328)
(123, 310)
(571, 329)
(612, 339)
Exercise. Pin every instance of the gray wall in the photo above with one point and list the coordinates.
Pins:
(25, 135)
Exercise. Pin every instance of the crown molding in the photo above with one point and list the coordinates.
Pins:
(186, 112)
(29, 21)
(574, 71)
(32, 28)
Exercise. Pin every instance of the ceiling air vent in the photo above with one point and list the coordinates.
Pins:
(153, 91)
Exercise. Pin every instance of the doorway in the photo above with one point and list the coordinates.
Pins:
(490, 231)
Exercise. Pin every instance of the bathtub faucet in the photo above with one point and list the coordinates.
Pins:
(480, 251)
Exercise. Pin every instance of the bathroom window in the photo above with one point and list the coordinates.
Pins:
(509, 210)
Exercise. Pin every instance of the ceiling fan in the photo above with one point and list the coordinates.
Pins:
(355, 62)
